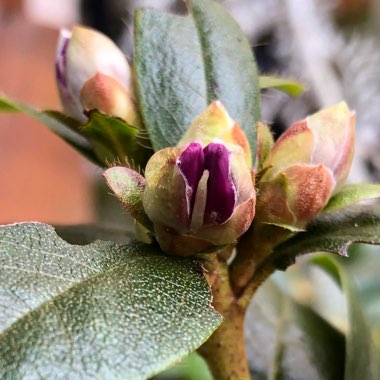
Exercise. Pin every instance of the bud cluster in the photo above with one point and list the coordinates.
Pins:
(200, 195)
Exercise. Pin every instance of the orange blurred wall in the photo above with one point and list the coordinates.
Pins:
(41, 177)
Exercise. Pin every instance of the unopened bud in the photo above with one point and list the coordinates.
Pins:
(201, 193)
(81, 53)
(306, 165)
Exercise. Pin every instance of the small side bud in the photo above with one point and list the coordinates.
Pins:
(129, 186)
(306, 166)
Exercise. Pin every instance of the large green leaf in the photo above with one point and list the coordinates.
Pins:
(288, 341)
(350, 195)
(362, 356)
(229, 64)
(169, 74)
(103, 311)
(60, 124)
(331, 232)
(183, 63)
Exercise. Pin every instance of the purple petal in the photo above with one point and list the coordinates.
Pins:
(60, 62)
(191, 166)
(221, 193)
(69, 104)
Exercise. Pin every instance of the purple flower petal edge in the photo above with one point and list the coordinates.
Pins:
(191, 166)
(221, 192)
(60, 63)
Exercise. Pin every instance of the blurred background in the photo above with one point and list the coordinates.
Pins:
(331, 46)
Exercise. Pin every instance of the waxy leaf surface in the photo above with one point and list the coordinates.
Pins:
(229, 64)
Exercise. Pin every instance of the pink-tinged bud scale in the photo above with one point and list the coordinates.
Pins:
(307, 164)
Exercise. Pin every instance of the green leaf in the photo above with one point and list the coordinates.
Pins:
(180, 68)
(229, 64)
(362, 356)
(115, 141)
(286, 340)
(331, 232)
(62, 125)
(289, 86)
(192, 367)
(99, 311)
(170, 76)
(353, 194)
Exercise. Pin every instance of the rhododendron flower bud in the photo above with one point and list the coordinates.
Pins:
(200, 194)
(81, 53)
(198, 197)
(306, 165)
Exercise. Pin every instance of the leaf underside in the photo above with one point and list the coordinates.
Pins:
(288, 341)
(98, 311)
(362, 355)
(82, 234)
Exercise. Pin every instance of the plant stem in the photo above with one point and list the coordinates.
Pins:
(253, 250)
(225, 350)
